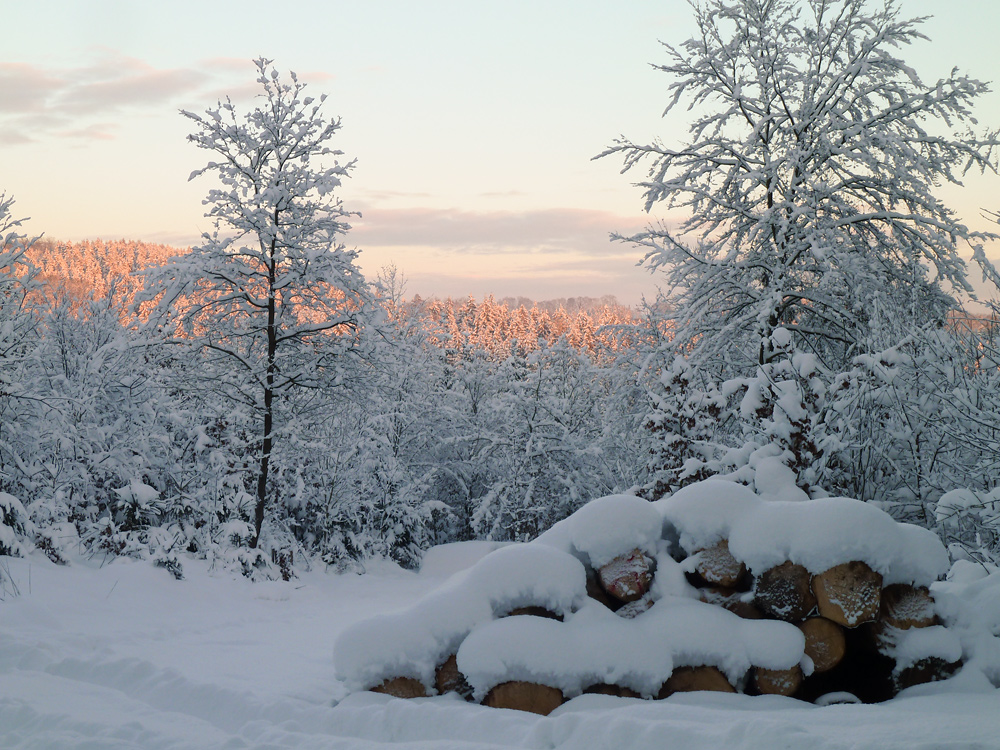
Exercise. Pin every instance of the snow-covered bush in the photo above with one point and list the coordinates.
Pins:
(13, 525)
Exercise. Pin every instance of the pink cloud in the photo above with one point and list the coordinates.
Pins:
(38, 101)
(564, 230)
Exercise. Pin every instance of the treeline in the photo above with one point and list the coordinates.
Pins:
(464, 420)
(78, 270)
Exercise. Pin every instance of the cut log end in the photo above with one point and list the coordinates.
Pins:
(825, 643)
(614, 690)
(448, 679)
(627, 577)
(534, 612)
(777, 681)
(633, 609)
(690, 679)
(732, 601)
(848, 594)
(717, 566)
(525, 696)
(784, 593)
(926, 670)
(402, 687)
(904, 606)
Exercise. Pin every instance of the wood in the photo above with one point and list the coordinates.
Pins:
(732, 601)
(904, 606)
(534, 612)
(525, 696)
(615, 690)
(777, 681)
(848, 594)
(448, 679)
(596, 592)
(402, 687)
(717, 566)
(825, 643)
(690, 679)
(931, 669)
(784, 593)
(633, 609)
(627, 577)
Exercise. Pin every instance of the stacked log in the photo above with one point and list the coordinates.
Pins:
(850, 621)
(717, 566)
(627, 578)
(402, 687)
(785, 593)
(827, 606)
(848, 594)
(449, 679)
(777, 681)
(904, 608)
(690, 679)
(525, 696)
(825, 643)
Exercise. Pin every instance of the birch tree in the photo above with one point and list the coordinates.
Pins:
(272, 301)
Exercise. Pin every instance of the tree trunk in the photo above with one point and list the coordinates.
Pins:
(267, 442)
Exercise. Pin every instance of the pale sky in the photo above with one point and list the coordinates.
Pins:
(473, 122)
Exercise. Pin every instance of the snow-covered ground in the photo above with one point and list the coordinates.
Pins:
(120, 655)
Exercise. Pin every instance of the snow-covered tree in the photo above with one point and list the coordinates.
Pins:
(17, 338)
(680, 427)
(17, 282)
(808, 179)
(272, 302)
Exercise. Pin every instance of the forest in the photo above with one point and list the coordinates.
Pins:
(256, 402)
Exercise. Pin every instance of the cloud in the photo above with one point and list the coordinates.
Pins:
(97, 131)
(541, 253)
(555, 230)
(25, 88)
(626, 282)
(41, 101)
(144, 87)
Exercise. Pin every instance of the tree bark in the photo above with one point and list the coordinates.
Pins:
(267, 442)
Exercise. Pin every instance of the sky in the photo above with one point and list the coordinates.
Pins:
(473, 123)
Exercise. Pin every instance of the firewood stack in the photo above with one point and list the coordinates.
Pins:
(852, 623)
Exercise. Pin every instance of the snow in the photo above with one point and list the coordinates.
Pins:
(917, 644)
(446, 559)
(614, 525)
(969, 604)
(415, 641)
(120, 656)
(819, 534)
(596, 646)
(705, 513)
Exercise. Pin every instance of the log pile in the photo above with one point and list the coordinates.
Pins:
(851, 621)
